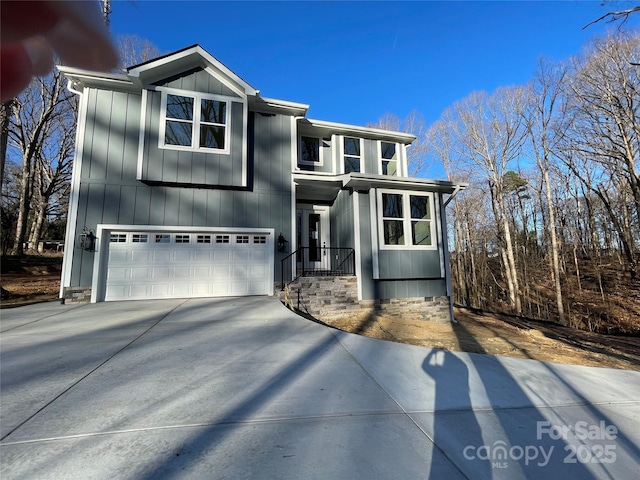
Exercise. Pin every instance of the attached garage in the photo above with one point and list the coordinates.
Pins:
(137, 262)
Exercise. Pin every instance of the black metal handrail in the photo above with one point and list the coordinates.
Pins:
(321, 261)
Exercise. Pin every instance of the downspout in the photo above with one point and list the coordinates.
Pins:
(445, 243)
(72, 212)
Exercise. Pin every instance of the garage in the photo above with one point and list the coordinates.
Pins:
(151, 263)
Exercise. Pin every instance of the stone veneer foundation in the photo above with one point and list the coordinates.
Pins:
(73, 295)
(331, 297)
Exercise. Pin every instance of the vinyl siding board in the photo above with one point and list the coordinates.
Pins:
(131, 127)
(197, 79)
(101, 135)
(185, 207)
(127, 204)
(171, 206)
(366, 247)
(214, 207)
(395, 264)
(370, 156)
(342, 221)
(411, 288)
(142, 209)
(199, 210)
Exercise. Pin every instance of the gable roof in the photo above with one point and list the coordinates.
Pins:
(184, 59)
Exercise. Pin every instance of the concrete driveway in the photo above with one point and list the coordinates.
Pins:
(243, 388)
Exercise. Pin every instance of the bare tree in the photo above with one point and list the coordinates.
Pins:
(490, 132)
(413, 123)
(134, 50)
(545, 94)
(37, 113)
(615, 16)
(602, 131)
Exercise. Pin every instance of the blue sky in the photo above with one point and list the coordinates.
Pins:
(352, 62)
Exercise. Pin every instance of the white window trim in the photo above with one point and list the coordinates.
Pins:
(398, 156)
(195, 132)
(406, 219)
(320, 153)
(342, 137)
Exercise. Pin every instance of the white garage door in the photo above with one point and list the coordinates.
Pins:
(144, 265)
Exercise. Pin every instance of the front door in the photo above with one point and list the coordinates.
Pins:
(313, 236)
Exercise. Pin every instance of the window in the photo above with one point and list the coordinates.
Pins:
(118, 238)
(139, 238)
(198, 121)
(310, 151)
(388, 158)
(406, 219)
(351, 154)
(222, 238)
(260, 239)
(182, 238)
(203, 239)
(242, 238)
(392, 219)
(161, 238)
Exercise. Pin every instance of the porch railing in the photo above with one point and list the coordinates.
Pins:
(321, 261)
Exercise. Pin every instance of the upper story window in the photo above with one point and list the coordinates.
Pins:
(310, 151)
(388, 155)
(194, 122)
(352, 155)
(406, 220)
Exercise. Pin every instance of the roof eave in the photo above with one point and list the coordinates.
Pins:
(378, 133)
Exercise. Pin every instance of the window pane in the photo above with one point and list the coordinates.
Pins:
(351, 164)
(212, 136)
(420, 207)
(352, 146)
(310, 150)
(392, 205)
(179, 107)
(139, 238)
(388, 150)
(178, 133)
(389, 168)
(393, 232)
(213, 111)
(421, 233)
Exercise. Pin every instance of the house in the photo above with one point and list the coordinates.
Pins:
(187, 182)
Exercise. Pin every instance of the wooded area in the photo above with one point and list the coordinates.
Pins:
(549, 226)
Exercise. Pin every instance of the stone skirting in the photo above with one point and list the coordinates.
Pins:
(332, 297)
(74, 295)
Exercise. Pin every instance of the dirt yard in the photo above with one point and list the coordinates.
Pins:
(37, 279)
(502, 335)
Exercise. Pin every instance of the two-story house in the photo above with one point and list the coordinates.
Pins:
(188, 183)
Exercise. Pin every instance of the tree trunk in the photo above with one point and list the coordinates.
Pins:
(24, 208)
(555, 256)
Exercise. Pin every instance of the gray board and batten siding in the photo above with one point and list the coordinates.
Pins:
(400, 273)
(161, 165)
(109, 193)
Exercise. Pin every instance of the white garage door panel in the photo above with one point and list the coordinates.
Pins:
(198, 265)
